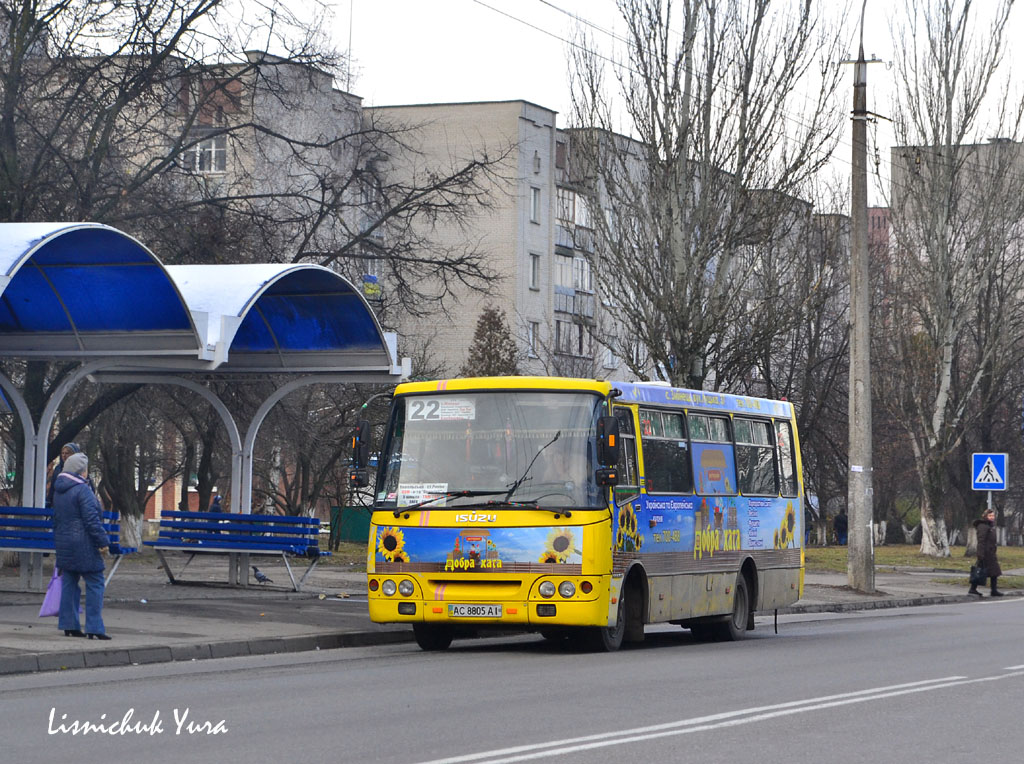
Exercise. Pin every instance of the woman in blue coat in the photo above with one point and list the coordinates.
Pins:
(80, 542)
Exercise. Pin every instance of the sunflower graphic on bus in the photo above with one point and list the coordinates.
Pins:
(560, 545)
(391, 544)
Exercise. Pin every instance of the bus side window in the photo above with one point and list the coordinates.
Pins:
(755, 460)
(787, 463)
(666, 453)
(713, 456)
(629, 483)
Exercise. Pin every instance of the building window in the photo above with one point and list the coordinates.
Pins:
(207, 156)
(532, 330)
(534, 271)
(572, 338)
(534, 205)
(582, 279)
(563, 270)
(566, 211)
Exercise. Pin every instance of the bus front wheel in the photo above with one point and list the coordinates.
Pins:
(432, 637)
(603, 639)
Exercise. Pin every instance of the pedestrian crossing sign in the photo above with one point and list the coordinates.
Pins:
(988, 472)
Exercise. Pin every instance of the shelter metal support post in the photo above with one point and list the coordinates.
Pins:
(46, 423)
(261, 414)
(218, 405)
(28, 428)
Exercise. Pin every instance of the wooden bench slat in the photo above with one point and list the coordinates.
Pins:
(255, 540)
(237, 528)
(11, 522)
(20, 534)
(177, 513)
(25, 511)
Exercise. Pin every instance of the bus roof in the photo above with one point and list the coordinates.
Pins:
(506, 383)
(662, 395)
(632, 392)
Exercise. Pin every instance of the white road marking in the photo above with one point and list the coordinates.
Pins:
(704, 723)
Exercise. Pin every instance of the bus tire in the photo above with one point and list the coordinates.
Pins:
(432, 638)
(735, 626)
(602, 639)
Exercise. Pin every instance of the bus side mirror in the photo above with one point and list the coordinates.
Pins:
(359, 476)
(608, 441)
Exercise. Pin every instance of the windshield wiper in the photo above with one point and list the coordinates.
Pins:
(515, 486)
(533, 503)
(448, 495)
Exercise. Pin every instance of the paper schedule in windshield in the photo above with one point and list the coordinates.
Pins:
(414, 493)
(437, 409)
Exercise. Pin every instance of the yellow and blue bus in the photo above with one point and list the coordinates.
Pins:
(582, 509)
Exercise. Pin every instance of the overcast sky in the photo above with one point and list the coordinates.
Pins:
(441, 51)
(435, 51)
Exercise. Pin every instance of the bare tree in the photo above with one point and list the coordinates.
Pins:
(213, 131)
(719, 129)
(134, 460)
(311, 446)
(954, 315)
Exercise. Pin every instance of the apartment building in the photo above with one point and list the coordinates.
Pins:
(536, 236)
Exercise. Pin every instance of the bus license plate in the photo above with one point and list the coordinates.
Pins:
(474, 611)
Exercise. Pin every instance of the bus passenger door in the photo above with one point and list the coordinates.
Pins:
(626, 527)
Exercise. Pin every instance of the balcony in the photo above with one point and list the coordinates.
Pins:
(574, 238)
(568, 300)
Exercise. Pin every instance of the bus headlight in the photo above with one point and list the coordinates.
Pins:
(567, 589)
(546, 589)
(388, 587)
(405, 588)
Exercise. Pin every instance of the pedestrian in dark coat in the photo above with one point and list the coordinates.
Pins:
(65, 451)
(987, 547)
(840, 525)
(80, 543)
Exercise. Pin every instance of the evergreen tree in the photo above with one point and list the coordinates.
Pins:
(493, 352)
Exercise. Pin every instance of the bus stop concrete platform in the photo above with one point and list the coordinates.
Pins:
(152, 621)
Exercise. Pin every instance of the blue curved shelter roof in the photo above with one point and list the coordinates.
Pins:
(72, 290)
(87, 289)
(282, 316)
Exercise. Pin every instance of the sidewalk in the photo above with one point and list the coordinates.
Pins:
(152, 621)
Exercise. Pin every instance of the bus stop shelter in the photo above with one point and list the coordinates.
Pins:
(90, 294)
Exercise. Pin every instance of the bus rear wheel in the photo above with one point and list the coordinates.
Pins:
(735, 626)
(432, 638)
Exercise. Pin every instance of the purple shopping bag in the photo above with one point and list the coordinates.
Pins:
(51, 602)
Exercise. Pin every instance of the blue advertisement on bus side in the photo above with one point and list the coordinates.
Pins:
(706, 524)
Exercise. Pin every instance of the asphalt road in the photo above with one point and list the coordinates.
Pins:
(926, 684)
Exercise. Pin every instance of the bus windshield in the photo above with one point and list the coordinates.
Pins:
(524, 447)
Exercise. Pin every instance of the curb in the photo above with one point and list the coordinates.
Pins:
(63, 661)
(880, 604)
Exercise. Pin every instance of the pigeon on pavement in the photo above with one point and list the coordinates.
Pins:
(261, 576)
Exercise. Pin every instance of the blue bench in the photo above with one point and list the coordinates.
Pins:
(29, 531)
(240, 537)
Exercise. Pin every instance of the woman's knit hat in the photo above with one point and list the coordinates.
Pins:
(76, 464)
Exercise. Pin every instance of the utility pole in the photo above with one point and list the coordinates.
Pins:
(860, 563)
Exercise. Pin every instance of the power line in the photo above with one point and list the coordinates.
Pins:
(624, 41)
(841, 141)
(836, 157)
